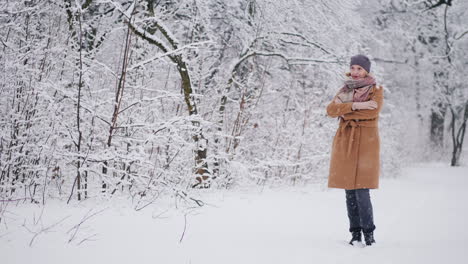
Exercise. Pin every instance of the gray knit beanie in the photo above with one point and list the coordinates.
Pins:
(362, 61)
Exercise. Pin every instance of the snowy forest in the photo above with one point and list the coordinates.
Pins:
(146, 99)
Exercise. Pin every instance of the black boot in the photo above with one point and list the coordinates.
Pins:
(369, 238)
(356, 237)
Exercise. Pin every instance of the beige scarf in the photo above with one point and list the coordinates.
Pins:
(347, 94)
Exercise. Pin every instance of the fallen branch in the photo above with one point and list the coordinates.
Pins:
(77, 226)
(185, 228)
(13, 200)
(42, 230)
(87, 239)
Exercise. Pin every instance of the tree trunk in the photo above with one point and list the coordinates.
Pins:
(437, 125)
(203, 176)
(118, 101)
(458, 137)
(201, 144)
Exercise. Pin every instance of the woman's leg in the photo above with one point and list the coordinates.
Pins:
(365, 210)
(353, 211)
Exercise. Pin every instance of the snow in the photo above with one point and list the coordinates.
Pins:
(420, 217)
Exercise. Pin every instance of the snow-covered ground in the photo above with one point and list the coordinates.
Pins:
(421, 217)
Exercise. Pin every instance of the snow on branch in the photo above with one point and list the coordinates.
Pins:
(289, 60)
(439, 3)
(137, 29)
(169, 53)
(141, 32)
(165, 31)
(312, 43)
(149, 37)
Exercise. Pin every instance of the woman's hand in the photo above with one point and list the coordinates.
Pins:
(364, 105)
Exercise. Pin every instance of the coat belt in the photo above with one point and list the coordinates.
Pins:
(353, 123)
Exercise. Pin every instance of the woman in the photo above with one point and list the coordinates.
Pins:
(355, 157)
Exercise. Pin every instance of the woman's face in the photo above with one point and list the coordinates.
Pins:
(357, 72)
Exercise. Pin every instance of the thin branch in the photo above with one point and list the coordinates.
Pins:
(76, 227)
(128, 107)
(87, 239)
(461, 36)
(185, 228)
(307, 41)
(14, 200)
(43, 230)
(169, 53)
(447, 45)
(441, 2)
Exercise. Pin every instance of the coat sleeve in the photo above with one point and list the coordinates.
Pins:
(338, 109)
(368, 113)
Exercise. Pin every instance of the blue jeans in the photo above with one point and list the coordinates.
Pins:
(360, 212)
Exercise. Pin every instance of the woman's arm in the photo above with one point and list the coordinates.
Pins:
(336, 108)
(368, 113)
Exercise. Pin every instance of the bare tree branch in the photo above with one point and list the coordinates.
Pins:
(441, 2)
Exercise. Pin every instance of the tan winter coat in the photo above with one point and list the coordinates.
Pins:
(355, 155)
